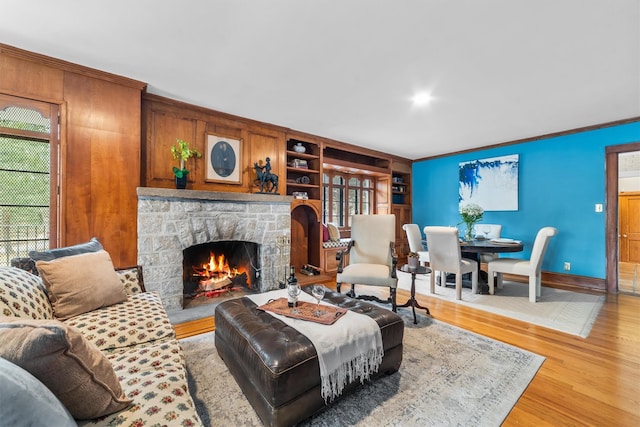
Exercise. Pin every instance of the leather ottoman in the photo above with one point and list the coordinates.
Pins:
(277, 367)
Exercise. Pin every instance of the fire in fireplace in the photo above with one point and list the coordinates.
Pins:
(211, 269)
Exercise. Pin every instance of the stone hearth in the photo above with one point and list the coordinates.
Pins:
(170, 221)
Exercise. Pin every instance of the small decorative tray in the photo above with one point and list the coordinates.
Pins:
(304, 310)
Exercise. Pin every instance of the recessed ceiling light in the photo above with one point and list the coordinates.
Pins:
(421, 99)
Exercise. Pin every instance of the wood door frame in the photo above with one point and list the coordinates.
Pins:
(611, 214)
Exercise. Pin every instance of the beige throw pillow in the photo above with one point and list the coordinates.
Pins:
(81, 283)
(66, 363)
(334, 232)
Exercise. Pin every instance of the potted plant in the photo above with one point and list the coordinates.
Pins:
(182, 152)
(413, 260)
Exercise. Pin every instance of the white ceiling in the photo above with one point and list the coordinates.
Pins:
(498, 70)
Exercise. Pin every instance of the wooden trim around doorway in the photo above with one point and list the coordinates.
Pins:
(611, 219)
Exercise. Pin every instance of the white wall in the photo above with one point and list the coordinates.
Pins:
(629, 184)
(629, 171)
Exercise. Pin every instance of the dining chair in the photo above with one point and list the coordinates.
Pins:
(488, 231)
(531, 267)
(415, 242)
(415, 245)
(445, 256)
(372, 256)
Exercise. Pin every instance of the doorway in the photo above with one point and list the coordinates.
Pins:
(623, 218)
(629, 222)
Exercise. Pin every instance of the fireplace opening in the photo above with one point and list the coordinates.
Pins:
(218, 268)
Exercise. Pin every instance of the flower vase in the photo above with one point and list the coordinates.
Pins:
(413, 263)
(468, 234)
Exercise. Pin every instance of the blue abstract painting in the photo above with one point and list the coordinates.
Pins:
(491, 183)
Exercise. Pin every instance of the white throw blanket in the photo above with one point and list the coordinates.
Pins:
(349, 349)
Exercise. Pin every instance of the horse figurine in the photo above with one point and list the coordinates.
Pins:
(267, 181)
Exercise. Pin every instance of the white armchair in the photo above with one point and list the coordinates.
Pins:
(531, 267)
(444, 252)
(372, 256)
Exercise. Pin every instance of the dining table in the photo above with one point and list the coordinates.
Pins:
(479, 246)
(473, 248)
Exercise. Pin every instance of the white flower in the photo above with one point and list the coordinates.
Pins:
(471, 213)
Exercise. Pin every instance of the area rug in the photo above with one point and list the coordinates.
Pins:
(448, 377)
(570, 312)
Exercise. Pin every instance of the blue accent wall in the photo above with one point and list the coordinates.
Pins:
(560, 181)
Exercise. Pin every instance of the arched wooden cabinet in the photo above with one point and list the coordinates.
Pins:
(306, 233)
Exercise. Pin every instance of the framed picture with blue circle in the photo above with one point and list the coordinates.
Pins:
(224, 159)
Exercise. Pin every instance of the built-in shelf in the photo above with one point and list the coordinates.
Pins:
(303, 169)
(401, 204)
(401, 188)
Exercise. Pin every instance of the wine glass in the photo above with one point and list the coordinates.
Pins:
(318, 293)
(294, 292)
(486, 229)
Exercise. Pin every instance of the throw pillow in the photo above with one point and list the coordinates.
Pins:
(23, 294)
(66, 363)
(81, 283)
(325, 233)
(25, 401)
(334, 232)
(91, 246)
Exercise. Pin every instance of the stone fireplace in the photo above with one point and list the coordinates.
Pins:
(170, 221)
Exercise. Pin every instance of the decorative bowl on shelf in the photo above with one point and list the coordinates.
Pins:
(299, 148)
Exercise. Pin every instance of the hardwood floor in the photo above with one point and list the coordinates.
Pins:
(593, 381)
(629, 277)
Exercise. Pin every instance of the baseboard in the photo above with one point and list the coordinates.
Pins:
(564, 281)
(561, 280)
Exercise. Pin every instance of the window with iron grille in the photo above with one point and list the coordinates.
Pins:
(26, 180)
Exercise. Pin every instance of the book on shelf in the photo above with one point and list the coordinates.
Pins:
(300, 195)
(299, 163)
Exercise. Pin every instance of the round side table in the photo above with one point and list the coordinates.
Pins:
(412, 302)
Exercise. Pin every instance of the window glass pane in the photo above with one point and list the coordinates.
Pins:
(338, 180)
(24, 119)
(25, 198)
(354, 202)
(367, 183)
(354, 182)
(325, 178)
(337, 206)
(325, 204)
(337, 219)
(366, 202)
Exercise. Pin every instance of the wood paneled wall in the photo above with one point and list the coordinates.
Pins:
(100, 146)
(166, 120)
(115, 137)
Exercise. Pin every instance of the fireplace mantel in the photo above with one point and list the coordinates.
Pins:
(168, 193)
(169, 221)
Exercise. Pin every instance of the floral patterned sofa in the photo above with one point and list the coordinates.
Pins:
(134, 335)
